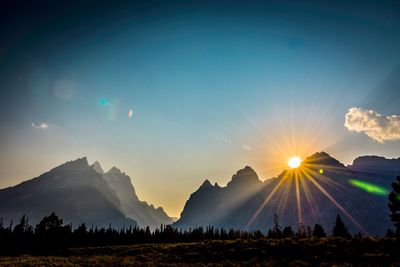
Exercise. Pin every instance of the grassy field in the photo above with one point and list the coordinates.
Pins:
(262, 252)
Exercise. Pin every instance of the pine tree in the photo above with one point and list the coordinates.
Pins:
(287, 232)
(389, 233)
(301, 231)
(308, 231)
(394, 205)
(51, 223)
(340, 229)
(277, 227)
(22, 227)
(318, 231)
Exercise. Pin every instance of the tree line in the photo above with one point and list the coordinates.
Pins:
(52, 233)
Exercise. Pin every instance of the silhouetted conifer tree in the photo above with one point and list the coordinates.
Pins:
(287, 232)
(318, 231)
(358, 235)
(390, 233)
(308, 231)
(275, 232)
(50, 224)
(270, 234)
(301, 231)
(51, 233)
(394, 205)
(340, 229)
(23, 226)
(257, 234)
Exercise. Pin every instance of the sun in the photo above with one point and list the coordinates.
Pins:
(294, 162)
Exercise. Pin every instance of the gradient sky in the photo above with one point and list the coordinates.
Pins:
(213, 85)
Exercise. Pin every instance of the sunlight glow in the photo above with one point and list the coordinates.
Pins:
(311, 175)
(294, 162)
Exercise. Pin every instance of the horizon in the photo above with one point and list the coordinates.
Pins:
(226, 180)
(173, 93)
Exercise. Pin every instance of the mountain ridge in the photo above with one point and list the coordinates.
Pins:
(224, 207)
(73, 189)
(80, 192)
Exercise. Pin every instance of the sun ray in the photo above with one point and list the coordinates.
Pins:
(310, 200)
(285, 195)
(325, 179)
(298, 198)
(267, 199)
(340, 207)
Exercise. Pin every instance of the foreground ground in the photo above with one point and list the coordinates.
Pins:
(265, 252)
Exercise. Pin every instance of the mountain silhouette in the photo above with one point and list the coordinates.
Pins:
(131, 206)
(80, 193)
(375, 164)
(73, 190)
(325, 190)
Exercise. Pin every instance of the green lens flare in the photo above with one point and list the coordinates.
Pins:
(103, 102)
(370, 188)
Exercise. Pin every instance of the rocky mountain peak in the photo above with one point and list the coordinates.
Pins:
(322, 158)
(114, 170)
(206, 184)
(97, 167)
(244, 177)
(73, 165)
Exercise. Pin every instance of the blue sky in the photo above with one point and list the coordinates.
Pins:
(213, 85)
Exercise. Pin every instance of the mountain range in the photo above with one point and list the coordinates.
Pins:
(314, 193)
(80, 193)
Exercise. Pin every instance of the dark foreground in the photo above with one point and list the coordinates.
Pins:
(265, 252)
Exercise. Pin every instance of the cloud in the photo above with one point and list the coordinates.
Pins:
(42, 125)
(246, 147)
(220, 138)
(378, 127)
(223, 139)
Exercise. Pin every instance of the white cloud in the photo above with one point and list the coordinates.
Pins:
(42, 125)
(377, 127)
(246, 147)
(220, 138)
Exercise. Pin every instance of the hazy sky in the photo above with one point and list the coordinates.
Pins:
(213, 86)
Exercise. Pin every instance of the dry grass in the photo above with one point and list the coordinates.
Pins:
(311, 252)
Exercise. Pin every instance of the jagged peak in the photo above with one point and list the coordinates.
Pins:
(246, 170)
(206, 184)
(321, 154)
(161, 209)
(97, 167)
(114, 170)
(78, 163)
(82, 160)
(322, 158)
(246, 176)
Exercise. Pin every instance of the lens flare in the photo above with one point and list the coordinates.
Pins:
(310, 175)
(104, 102)
(370, 188)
